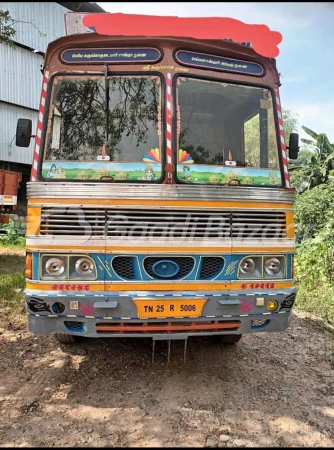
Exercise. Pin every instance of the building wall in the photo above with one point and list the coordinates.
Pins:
(20, 74)
(21, 77)
(39, 23)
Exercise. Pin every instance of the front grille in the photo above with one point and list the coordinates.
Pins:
(185, 264)
(163, 223)
(123, 267)
(211, 267)
(73, 221)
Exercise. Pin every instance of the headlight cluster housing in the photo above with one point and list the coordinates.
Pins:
(67, 267)
(265, 267)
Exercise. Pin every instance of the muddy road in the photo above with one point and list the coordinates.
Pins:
(267, 390)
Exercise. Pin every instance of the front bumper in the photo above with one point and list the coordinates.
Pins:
(115, 315)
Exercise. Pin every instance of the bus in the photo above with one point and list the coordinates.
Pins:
(160, 203)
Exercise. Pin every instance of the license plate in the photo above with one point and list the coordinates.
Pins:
(153, 309)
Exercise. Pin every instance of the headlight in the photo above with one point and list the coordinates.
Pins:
(272, 266)
(55, 267)
(84, 266)
(247, 266)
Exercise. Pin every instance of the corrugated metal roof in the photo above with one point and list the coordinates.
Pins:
(38, 23)
(20, 76)
(8, 120)
(82, 6)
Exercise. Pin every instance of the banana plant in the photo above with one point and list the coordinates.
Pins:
(320, 166)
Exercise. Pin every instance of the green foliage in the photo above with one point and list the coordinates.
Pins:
(314, 263)
(314, 212)
(317, 163)
(13, 233)
(252, 137)
(290, 123)
(12, 283)
(7, 31)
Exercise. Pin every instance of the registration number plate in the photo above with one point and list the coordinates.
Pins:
(153, 309)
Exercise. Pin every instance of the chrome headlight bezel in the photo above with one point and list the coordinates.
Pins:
(47, 260)
(256, 265)
(75, 262)
(69, 271)
(259, 272)
(281, 273)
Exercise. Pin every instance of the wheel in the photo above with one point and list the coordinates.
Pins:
(231, 338)
(65, 338)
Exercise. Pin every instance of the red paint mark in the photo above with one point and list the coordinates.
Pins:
(264, 40)
(258, 286)
(70, 287)
(245, 306)
(87, 310)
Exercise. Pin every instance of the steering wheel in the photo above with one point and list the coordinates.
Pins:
(109, 177)
(233, 179)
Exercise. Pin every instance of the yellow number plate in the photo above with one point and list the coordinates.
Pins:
(153, 309)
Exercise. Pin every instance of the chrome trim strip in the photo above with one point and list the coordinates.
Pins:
(158, 192)
(143, 245)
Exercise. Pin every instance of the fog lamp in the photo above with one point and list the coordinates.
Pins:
(272, 305)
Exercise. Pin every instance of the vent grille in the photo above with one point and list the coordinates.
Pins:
(163, 223)
(123, 267)
(211, 267)
(73, 221)
(186, 265)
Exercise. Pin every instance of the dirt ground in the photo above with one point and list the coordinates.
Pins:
(267, 390)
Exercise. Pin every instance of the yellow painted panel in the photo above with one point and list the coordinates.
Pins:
(33, 221)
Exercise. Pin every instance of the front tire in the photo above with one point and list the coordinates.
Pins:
(65, 338)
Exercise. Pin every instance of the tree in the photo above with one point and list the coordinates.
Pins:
(252, 137)
(290, 123)
(316, 164)
(80, 115)
(7, 31)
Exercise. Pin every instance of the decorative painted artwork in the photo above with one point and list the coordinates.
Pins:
(184, 157)
(222, 174)
(148, 170)
(152, 156)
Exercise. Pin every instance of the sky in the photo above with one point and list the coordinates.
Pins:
(306, 59)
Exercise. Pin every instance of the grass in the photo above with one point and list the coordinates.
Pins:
(21, 246)
(12, 284)
(319, 301)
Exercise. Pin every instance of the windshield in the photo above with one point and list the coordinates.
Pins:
(101, 127)
(226, 134)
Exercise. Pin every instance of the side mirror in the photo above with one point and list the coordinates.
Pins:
(23, 132)
(293, 146)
